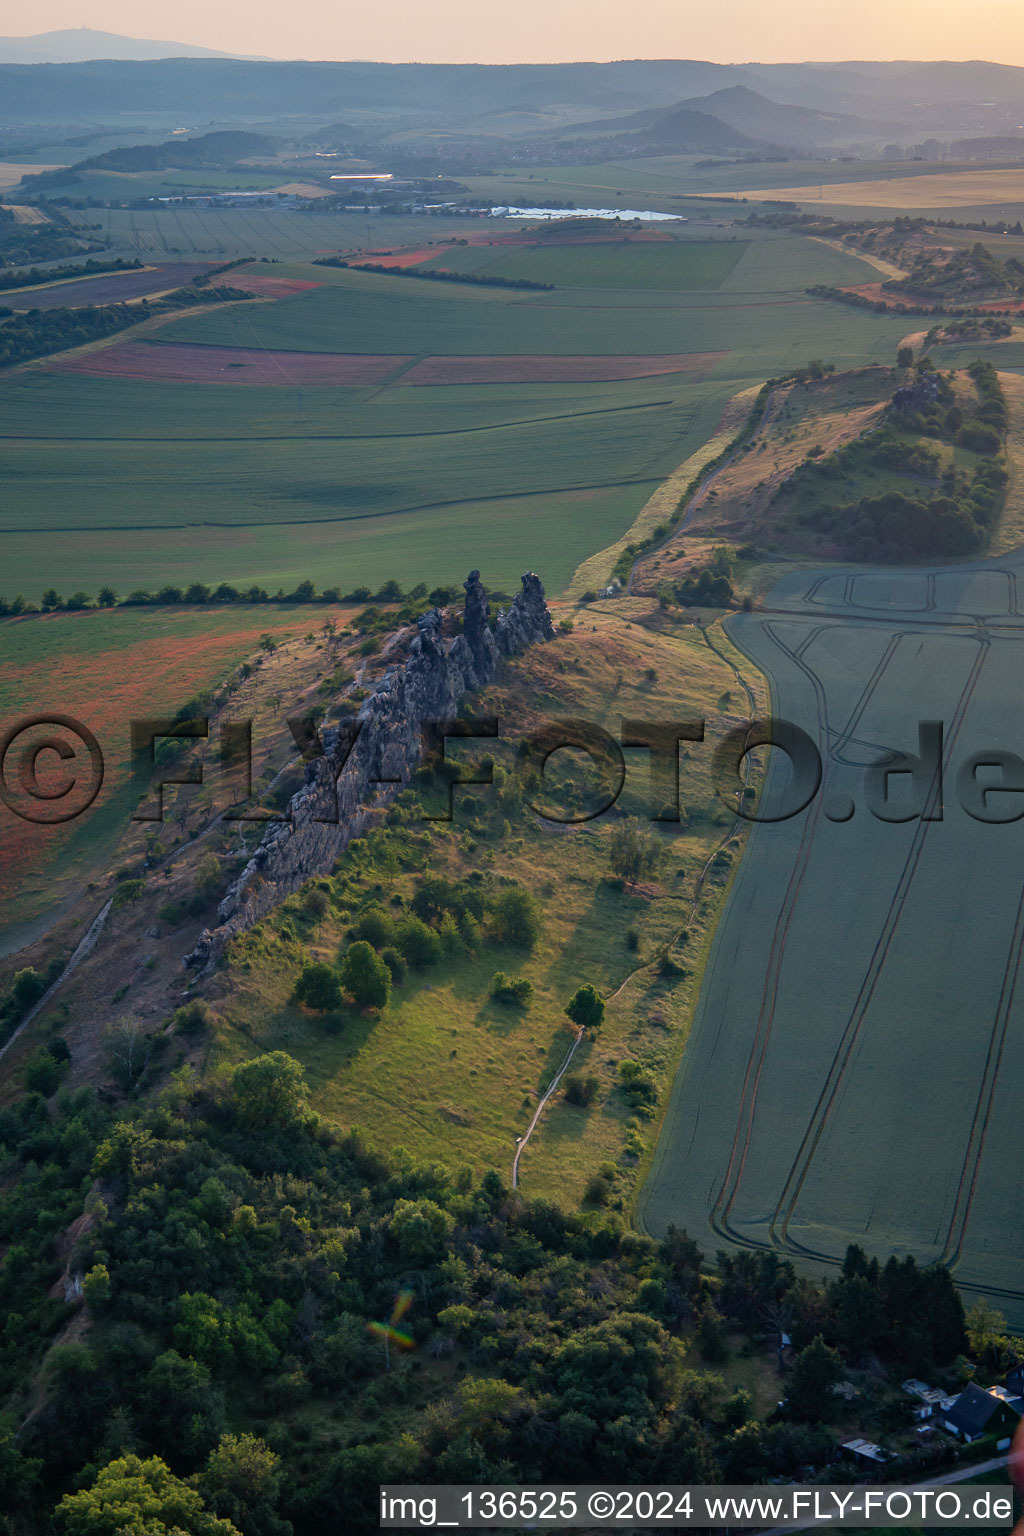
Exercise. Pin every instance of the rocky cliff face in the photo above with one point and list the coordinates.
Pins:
(354, 778)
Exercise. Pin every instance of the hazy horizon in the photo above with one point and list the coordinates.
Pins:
(574, 31)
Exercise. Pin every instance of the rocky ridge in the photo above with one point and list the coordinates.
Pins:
(367, 761)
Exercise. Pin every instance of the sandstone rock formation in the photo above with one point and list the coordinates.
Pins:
(367, 761)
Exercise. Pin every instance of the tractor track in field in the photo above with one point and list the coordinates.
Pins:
(828, 1097)
(819, 1121)
(739, 1151)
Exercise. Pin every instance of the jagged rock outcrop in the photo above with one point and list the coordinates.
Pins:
(919, 395)
(365, 762)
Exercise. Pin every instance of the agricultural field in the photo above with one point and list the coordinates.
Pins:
(670, 265)
(930, 190)
(107, 288)
(104, 669)
(278, 234)
(387, 421)
(882, 1109)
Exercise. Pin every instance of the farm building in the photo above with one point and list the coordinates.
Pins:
(978, 1412)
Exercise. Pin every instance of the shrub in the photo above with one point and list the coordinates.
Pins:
(581, 1090)
(193, 1018)
(375, 926)
(43, 1074)
(979, 437)
(317, 903)
(419, 944)
(208, 880)
(27, 988)
(395, 964)
(511, 990)
(597, 1191)
(318, 987)
(634, 850)
(517, 917)
(365, 976)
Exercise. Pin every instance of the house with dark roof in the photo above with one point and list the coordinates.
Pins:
(977, 1412)
(1015, 1380)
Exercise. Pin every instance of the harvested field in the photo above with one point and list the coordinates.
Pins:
(11, 172)
(25, 215)
(181, 363)
(971, 187)
(555, 370)
(109, 287)
(264, 287)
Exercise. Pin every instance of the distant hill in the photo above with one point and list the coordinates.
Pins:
(745, 119)
(796, 127)
(955, 99)
(208, 152)
(74, 45)
(686, 130)
(681, 127)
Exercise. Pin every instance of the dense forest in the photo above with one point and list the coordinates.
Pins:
(237, 1254)
(224, 1311)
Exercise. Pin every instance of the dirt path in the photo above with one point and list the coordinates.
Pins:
(771, 408)
(737, 825)
(540, 1107)
(887, 268)
(85, 948)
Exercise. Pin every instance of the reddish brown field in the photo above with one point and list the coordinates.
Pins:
(181, 362)
(105, 682)
(877, 292)
(263, 287)
(399, 260)
(554, 370)
(902, 301)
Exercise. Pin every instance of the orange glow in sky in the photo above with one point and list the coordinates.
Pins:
(542, 31)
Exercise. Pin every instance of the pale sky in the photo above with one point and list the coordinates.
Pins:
(546, 30)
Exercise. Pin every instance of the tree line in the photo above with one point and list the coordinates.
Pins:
(11, 278)
(199, 594)
(434, 275)
(41, 332)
